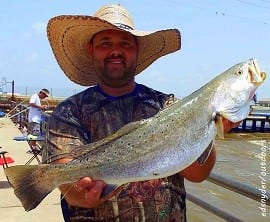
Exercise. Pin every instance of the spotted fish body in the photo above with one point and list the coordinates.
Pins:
(153, 148)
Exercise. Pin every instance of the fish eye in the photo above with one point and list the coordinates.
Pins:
(239, 72)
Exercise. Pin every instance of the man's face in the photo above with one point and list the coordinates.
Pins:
(42, 95)
(114, 56)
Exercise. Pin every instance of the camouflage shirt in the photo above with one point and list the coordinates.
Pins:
(92, 115)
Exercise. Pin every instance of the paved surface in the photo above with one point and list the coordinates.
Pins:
(11, 209)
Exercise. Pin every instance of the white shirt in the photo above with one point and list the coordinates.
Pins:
(34, 114)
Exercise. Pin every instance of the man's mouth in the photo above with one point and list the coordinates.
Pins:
(115, 61)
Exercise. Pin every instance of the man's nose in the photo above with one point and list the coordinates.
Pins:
(115, 51)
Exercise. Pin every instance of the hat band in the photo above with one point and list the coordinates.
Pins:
(123, 26)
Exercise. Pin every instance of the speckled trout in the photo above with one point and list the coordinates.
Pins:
(152, 148)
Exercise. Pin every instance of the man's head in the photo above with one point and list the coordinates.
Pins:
(43, 93)
(114, 56)
(69, 36)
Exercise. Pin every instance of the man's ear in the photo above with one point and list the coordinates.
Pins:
(89, 48)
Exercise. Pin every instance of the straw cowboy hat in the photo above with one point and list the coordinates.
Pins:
(69, 35)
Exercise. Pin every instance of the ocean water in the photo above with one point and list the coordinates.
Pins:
(243, 157)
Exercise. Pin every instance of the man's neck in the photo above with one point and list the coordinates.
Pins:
(118, 91)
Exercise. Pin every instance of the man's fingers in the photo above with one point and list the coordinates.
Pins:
(95, 191)
(93, 188)
(84, 183)
(228, 125)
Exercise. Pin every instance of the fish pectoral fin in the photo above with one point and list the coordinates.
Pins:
(219, 126)
(109, 190)
(128, 128)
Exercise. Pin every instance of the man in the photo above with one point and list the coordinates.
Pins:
(35, 110)
(105, 52)
(34, 114)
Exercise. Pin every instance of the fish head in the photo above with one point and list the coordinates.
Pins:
(236, 88)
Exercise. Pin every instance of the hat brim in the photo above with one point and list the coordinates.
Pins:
(45, 93)
(69, 35)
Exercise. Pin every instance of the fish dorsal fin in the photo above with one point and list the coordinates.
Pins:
(126, 129)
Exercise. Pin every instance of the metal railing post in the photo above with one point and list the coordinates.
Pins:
(238, 187)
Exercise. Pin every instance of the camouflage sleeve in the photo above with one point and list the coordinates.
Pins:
(64, 133)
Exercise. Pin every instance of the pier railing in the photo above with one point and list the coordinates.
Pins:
(253, 119)
(256, 122)
(232, 185)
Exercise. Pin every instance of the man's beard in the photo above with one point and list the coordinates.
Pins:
(116, 77)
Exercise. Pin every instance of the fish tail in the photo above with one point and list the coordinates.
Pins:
(27, 182)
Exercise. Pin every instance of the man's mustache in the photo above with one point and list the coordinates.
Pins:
(114, 57)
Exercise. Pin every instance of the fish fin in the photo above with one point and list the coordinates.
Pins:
(86, 148)
(27, 188)
(109, 191)
(219, 126)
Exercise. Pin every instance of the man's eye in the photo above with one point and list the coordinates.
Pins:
(126, 44)
(105, 44)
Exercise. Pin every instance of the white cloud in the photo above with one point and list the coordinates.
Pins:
(31, 57)
(39, 27)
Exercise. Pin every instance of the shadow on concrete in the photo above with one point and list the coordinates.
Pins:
(4, 185)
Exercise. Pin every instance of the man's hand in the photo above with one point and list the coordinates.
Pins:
(44, 107)
(84, 193)
(92, 190)
(198, 172)
(228, 125)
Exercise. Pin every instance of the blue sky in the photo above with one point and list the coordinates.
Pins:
(215, 36)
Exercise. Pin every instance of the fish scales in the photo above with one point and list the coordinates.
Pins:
(155, 150)
(152, 148)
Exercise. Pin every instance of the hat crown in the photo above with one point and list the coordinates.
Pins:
(116, 15)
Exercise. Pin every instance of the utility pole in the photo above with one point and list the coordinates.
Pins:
(12, 89)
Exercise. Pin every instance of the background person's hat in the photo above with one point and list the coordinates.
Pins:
(46, 92)
(70, 34)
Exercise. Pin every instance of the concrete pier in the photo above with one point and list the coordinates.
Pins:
(11, 209)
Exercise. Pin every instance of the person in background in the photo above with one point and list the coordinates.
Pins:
(35, 112)
(255, 98)
(106, 52)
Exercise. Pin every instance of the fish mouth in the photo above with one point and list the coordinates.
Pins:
(255, 75)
